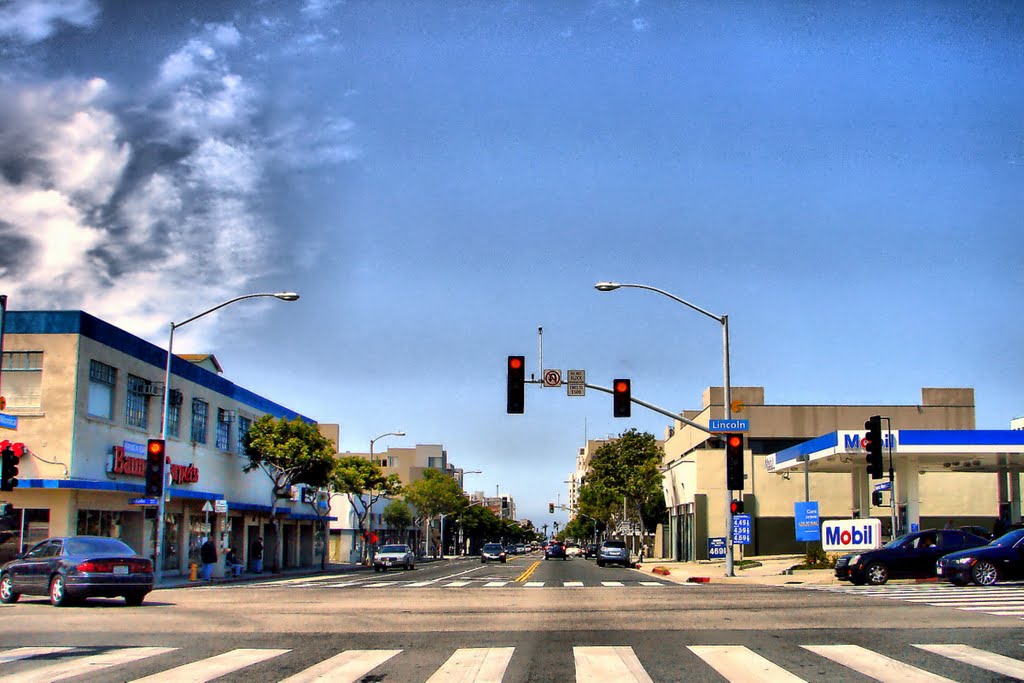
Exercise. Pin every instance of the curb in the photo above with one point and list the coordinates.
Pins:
(660, 571)
(699, 579)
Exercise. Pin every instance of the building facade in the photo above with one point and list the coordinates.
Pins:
(86, 396)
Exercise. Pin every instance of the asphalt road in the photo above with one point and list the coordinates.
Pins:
(418, 626)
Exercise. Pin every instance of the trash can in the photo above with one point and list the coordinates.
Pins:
(193, 571)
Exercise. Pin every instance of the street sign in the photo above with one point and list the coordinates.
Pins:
(142, 501)
(716, 548)
(574, 389)
(883, 486)
(220, 506)
(807, 524)
(207, 507)
(741, 529)
(552, 378)
(728, 425)
(576, 376)
(9, 421)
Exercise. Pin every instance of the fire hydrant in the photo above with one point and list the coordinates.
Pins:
(193, 571)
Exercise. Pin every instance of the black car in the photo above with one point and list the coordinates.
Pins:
(555, 549)
(492, 551)
(590, 550)
(912, 556)
(77, 567)
(1000, 560)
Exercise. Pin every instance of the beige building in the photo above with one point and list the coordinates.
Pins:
(84, 397)
(694, 477)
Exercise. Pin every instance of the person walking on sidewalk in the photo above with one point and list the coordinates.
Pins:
(257, 555)
(208, 554)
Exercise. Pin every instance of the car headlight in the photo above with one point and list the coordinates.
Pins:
(855, 559)
(964, 561)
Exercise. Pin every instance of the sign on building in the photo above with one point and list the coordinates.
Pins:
(716, 548)
(807, 523)
(851, 534)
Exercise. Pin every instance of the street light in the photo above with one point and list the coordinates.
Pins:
(373, 440)
(727, 408)
(165, 490)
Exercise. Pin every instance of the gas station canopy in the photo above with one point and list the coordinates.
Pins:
(932, 450)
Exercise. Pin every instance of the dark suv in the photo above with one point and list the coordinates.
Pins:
(590, 551)
(555, 549)
(912, 556)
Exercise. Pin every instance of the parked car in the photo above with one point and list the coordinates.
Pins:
(978, 531)
(492, 552)
(72, 568)
(393, 556)
(1000, 560)
(912, 556)
(520, 549)
(555, 549)
(590, 550)
(613, 552)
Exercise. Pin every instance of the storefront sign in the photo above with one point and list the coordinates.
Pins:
(136, 467)
(807, 523)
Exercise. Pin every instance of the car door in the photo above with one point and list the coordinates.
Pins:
(34, 568)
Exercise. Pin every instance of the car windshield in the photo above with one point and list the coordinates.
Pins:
(96, 546)
(899, 541)
(614, 544)
(393, 549)
(492, 548)
(1009, 540)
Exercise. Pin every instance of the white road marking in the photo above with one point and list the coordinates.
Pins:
(612, 583)
(651, 583)
(874, 665)
(212, 667)
(990, 661)
(533, 584)
(80, 666)
(495, 584)
(608, 664)
(347, 667)
(17, 653)
(572, 584)
(474, 665)
(457, 584)
(739, 664)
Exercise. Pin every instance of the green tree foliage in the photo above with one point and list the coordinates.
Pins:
(289, 452)
(397, 515)
(625, 468)
(435, 494)
(364, 483)
(580, 528)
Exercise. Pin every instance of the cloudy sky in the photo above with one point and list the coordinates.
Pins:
(438, 180)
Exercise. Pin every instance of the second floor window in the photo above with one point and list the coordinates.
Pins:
(200, 410)
(23, 378)
(243, 428)
(435, 463)
(223, 429)
(102, 380)
(174, 420)
(137, 403)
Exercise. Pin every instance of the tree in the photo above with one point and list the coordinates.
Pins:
(435, 494)
(364, 483)
(397, 515)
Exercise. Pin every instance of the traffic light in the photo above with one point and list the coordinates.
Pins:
(736, 507)
(876, 498)
(734, 462)
(155, 455)
(551, 508)
(516, 385)
(872, 443)
(8, 466)
(621, 405)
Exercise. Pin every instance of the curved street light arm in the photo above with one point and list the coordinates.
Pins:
(283, 296)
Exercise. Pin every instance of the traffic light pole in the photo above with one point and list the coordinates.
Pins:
(892, 477)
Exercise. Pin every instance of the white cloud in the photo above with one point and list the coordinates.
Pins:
(318, 8)
(640, 25)
(36, 20)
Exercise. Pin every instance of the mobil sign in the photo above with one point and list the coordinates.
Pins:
(851, 534)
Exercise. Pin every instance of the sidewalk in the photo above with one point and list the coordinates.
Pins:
(773, 570)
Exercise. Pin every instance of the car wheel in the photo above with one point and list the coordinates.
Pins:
(483, 561)
(58, 591)
(134, 599)
(600, 563)
(958, 582)
(857, 582)
(412, 565)
(376, 569)
(7, 594)
(546, 558)
(984, 573)
(877, 573)
(503, 561)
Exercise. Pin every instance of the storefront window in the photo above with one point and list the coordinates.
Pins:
(198, 531)
(172, 532)
(21, 528)
(99, 523)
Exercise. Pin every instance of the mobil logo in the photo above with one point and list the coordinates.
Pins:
(851, 534)
(851, 440)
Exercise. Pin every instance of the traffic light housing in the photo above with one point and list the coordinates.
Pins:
(8, 466)
(156, 453)
(621, 403)
(872, 443)
(551, 508)
(516, 385)
(734, 462)
(736, 507)
(876, 498)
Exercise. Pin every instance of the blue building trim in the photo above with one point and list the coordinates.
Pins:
(961, 437)
(816, 444)
(82, 323)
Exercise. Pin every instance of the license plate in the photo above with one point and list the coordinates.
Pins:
(938, 570)
(120, 569)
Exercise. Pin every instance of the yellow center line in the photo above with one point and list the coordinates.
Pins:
(525, 575)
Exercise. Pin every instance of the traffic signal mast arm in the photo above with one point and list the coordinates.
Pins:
(650, 406)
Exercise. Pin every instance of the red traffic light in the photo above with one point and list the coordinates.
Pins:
(515, 362)
(156, 446)
(735, 441)
(621, 386)
(736, 507)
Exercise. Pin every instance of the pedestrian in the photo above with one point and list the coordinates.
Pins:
(949, 524)
(233, 565)
(999, 528)
(208, 554)
(257, 555)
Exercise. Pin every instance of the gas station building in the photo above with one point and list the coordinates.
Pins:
(944, 469)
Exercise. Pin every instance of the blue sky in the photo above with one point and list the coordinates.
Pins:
(438, 180)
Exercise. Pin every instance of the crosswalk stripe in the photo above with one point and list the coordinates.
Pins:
(533, 584)
(420, 584)
(495, 584)
(572, 584)
(456, 584)
(347, 667)
(212, 667)
(612, 583)
(83, 665)
(739, 664)
(381, 584)
(872, 664)
(474, 665)
(601, 664)
(990, 661)
(651, 583)
(17, 653)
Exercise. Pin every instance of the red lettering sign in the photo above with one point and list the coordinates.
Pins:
(136, 467)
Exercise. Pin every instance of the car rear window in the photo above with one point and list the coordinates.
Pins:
(493, 548)
(96, 546)
(393, 549)
(614, 544)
